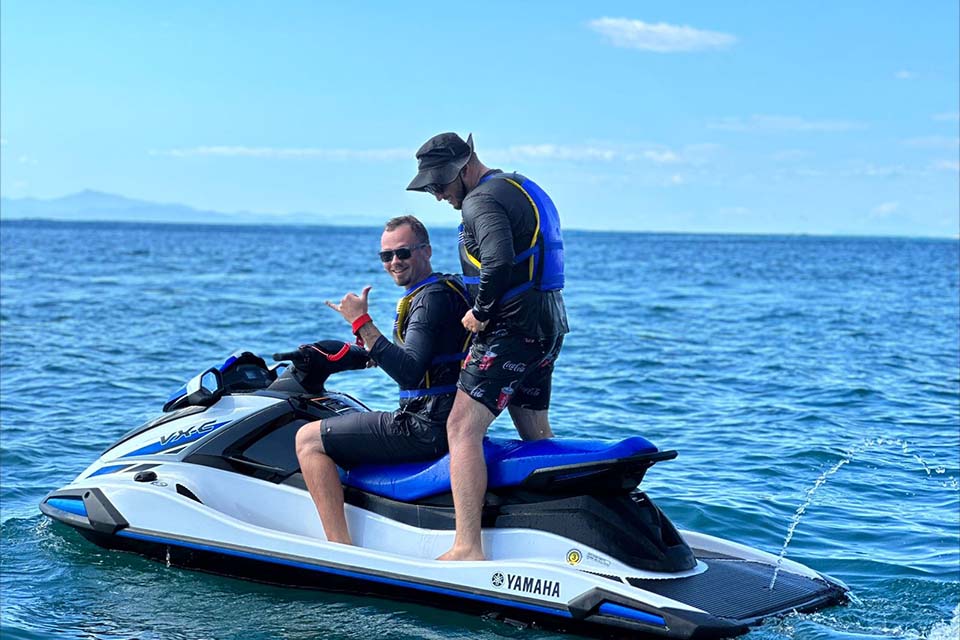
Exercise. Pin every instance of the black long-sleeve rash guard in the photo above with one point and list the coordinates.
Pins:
(433, 329)
(489, 225)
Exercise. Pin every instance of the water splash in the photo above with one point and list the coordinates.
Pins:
(931, 471)
(946, 630)
(803, 507)
(949, 482)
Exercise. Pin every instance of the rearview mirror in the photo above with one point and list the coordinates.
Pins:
(204, 389)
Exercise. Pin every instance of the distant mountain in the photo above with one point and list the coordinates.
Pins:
(107, 207)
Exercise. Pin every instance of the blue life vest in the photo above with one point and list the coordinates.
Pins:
(540, 265)
(402, 319)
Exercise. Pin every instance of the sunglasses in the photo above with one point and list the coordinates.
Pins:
(436, 189)
(402, 253)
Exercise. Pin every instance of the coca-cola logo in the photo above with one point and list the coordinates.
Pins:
(516, 367)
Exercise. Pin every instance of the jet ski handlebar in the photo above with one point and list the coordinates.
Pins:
(243, 371)
(294, 357)
(313, 363)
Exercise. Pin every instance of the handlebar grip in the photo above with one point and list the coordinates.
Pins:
(292, 356)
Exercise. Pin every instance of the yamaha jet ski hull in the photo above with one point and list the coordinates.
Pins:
(213, 484)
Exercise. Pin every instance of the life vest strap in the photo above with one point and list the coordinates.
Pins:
(513, 293)
(523, 255)
(406, 394)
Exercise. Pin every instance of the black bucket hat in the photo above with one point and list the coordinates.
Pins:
(440, 159)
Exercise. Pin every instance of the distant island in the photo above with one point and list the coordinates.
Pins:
(107, 207)
(97, 206)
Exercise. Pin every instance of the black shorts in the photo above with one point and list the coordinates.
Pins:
(381, 437)
(509, 369)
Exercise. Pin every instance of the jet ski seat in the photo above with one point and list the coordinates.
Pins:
(542, 465)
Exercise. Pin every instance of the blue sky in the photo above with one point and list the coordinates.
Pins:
(812, 117)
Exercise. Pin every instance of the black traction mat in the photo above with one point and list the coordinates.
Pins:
(739, 590)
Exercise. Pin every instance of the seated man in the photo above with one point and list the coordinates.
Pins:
(424, 359)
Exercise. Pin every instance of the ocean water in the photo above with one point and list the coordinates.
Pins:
(765, 361)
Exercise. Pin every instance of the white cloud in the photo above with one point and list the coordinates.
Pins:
(287, 153)
(885, 209)
(660, 37)
(905, 75)
(947, 117)
(662, 157)
(599, 152)
(556, 152)
(874, 171)
(868, 170)
(764, 123)
(854, 170)
(594, 152)
(933, 142)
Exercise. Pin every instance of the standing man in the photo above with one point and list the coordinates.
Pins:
(424, 359)
(511, 252)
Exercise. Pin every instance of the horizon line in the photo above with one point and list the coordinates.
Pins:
(322, 225)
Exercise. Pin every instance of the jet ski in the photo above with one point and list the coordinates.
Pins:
(573, 544)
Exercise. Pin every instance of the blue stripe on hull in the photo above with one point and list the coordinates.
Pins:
(70, 505)
(613, 609)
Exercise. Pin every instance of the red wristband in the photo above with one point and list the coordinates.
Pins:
(359, 322)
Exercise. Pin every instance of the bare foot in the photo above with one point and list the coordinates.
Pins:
(458, 554)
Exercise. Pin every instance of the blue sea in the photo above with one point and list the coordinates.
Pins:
(793, 374)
